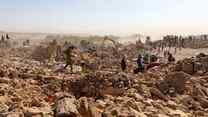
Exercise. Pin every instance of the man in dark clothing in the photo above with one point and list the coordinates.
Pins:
(183, 43)
(123, 63)
(7, 36)
(170, 57)
(140, 63)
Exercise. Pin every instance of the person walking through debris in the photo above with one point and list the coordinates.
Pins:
(140, 63)
(69, 61)
(123, 63)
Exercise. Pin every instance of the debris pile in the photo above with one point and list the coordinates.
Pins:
(198, 64)
(28, 88)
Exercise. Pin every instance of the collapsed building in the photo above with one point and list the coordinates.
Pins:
(28, 88)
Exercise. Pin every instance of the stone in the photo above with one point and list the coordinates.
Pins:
(173, 83)
(101, 104)
(137, 97)
(203, 102)
(5, 80)
(178, 113)
(157, 93)
(178, 80)
(38, 112)
(161, 115)
(112, 91)
(3, 108)
(172, 104)
(188, 68)
(94, 111)
(4, 99)
(84, 107)
(16, 114)
(66, 106)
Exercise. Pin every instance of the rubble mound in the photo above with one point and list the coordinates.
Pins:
(28, 88)
(194, 65)
(99, 84)
(173, 83)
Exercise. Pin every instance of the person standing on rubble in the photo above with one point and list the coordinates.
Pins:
(175, 44)
(170, 57)
(7, 36)
(123, 63)
(68, 59)
(140, 63)
(7, 40)
(183, 43)
(2, 38)
(2, 41)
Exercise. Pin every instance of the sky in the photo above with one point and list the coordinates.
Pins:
(118, 17)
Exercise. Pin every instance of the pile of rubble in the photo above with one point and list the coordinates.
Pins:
(194, 65)
(28, 88)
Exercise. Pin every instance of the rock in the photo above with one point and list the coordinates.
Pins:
(94, 111)
(131, 91)
(173, 83)
(16, 114)
(3, 108)
(172, 104)
(84, 107)
(163, 87)
(178, 113)
(133, 105)
(137, 97)
(38, 112)
(199, 73)
(188, 68)
(4, 99)
(157, 105)
(112, 91)
(203, 102)
(161, 115)
(136, 113)
(200, 55)
(67, 107)
(150, 109)
(101, 104)
(157, 93)
(59, 68)
(178, 80)
(118, 111)
(148, 102)
(141, 115)
(4, 80)
(4, 88)
(178, 66)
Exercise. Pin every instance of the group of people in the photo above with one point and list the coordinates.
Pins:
(171, 41)
(143, 62)
(140, 63)
(4, 42)
(179, 42)
(146, 62)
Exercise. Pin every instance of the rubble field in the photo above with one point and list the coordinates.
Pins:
(30, 88)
